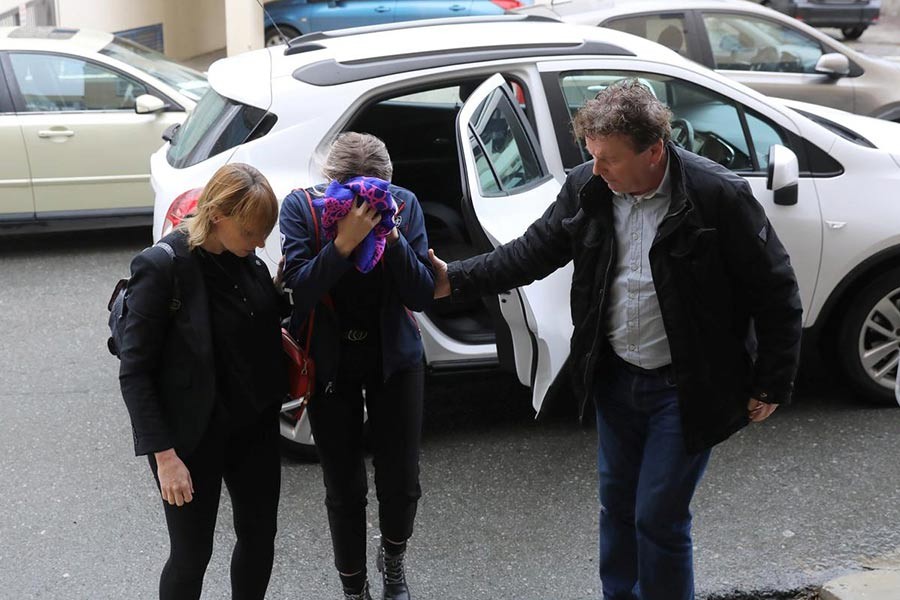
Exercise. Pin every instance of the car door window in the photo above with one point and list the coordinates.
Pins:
(504, 156)
(746, 43)
(667, 29)
(703, 121)
(51, 82)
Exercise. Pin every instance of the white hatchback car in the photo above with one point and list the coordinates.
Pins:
(80, 114)
(476, 115)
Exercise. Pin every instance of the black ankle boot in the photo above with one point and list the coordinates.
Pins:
(361, 595)
(391, 568)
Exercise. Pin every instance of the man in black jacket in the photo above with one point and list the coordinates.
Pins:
(687, 323)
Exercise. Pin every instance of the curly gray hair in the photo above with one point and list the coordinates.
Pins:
(626, 107)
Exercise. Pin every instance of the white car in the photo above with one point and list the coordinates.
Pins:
(476, 115)
(80, 114)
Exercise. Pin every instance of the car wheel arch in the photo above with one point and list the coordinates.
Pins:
(851, 285)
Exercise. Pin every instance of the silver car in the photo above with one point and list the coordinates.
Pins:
(760, 47)
(80, 114)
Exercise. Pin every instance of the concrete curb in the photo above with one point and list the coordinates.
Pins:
(871, 585)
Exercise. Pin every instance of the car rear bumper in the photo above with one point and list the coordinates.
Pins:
(837, 14)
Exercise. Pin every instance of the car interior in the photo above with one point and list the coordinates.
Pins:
(702, 121)
(49, 83)
(419, 128)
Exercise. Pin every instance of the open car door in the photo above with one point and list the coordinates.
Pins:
(506, 188)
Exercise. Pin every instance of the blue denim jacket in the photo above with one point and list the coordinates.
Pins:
(408, 284)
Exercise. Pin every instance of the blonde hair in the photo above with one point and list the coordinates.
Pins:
(353, 154)
(236, 190)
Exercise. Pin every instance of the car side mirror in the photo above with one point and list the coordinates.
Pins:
(783, 175)
(833, 64)
(146, 104)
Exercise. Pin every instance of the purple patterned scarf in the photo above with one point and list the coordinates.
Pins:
(336, 204)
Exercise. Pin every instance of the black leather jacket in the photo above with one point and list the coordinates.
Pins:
(727, 292)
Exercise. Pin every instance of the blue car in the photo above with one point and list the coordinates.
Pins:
(296, 17)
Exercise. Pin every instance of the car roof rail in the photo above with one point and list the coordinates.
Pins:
(306, 42)
(331, 72)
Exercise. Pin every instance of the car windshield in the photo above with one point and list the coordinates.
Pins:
(187, 81)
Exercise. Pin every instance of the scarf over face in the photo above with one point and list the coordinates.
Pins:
(337, 202)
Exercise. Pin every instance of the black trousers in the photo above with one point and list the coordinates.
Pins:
(394, 410)
(248, 460)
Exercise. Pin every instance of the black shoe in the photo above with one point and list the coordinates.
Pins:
(361, 595)
(391, 568)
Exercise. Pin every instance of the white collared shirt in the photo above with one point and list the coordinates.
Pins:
(635, 326)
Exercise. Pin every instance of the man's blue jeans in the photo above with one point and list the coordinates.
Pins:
(647, 480)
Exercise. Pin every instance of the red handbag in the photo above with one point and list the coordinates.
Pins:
(301, 367)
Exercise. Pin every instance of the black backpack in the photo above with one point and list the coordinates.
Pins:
(118, 309)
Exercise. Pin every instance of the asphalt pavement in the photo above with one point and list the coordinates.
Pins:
(509, 510)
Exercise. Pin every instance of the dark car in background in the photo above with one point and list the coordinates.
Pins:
(296, 17)
(852, 17)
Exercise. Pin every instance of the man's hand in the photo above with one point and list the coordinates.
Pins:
(354, 227)
(760, 411)
(441, 280)
(175, 485)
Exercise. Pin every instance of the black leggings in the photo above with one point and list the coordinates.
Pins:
(395, 420)
(249, 463)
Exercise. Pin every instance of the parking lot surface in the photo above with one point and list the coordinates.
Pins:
(509, 508)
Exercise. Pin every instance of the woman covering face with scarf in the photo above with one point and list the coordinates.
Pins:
(363, 272)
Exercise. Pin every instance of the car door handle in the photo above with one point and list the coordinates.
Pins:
(457, 7)
(54, 133)
(381, 9)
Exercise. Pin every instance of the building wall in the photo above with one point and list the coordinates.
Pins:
(190, 27)
(193, 28)
(109, 15)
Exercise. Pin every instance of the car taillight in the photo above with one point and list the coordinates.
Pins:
(507, 4)
(180, 208)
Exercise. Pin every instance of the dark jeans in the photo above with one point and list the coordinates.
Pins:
(394, 410)
(647, 480)
(249, 462)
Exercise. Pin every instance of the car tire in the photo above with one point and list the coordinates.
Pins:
(853, 33)
(273, 38)
(872, 322)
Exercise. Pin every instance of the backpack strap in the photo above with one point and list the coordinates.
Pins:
(175, 302)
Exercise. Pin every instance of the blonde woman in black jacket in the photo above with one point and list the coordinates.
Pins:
(202, 377)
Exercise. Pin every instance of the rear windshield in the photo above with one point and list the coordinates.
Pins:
(216, 125)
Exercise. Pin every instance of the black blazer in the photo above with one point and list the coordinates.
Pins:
(167, 373)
